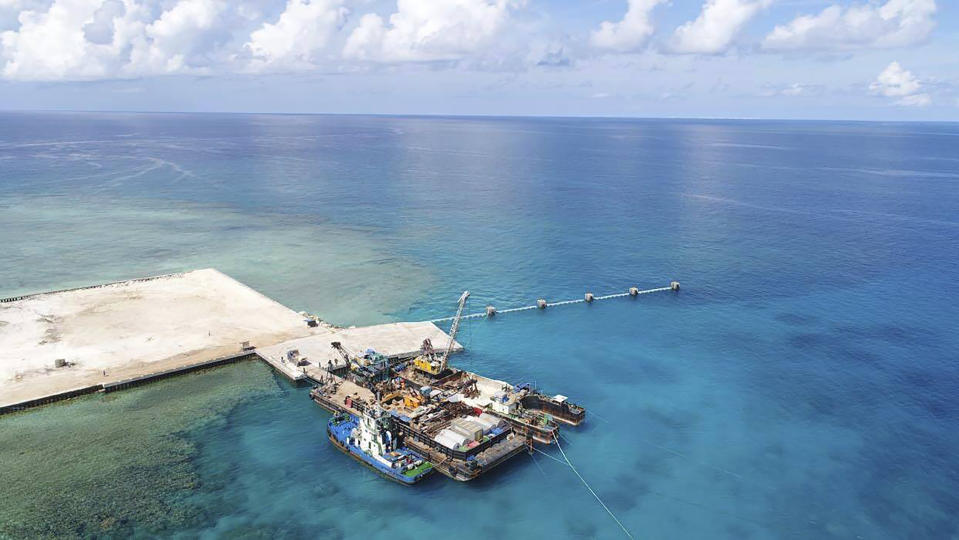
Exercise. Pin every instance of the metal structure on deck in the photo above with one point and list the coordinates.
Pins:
(427, 361)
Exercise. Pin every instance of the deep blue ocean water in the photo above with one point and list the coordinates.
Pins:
(802, 384)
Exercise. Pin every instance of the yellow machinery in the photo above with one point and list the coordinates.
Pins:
(428, 362)
(411, 402)
(388, 398)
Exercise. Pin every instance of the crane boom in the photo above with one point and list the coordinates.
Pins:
(344, 354)
(444, 361)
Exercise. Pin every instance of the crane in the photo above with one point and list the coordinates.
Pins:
(444, 361)
(343, 353)
(427, 362)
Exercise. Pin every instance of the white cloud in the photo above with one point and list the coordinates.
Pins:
(893, 24)
(792, 90)
(175, 37)
(797, 89)
(101, 39)
(303, 30)
(629, 34)
(427, 30)
(916, 100)
(719, 22)
(897, 82)
(100, 29)
(550, 54)
(93, 39)
(9, 10)
(50, 44)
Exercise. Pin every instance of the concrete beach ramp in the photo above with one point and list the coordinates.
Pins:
(54, 342)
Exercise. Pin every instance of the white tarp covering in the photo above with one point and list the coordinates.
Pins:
(451, 439)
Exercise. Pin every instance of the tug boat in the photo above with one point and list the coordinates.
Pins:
(374, 440)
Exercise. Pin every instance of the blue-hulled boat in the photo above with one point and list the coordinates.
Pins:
(373, 440)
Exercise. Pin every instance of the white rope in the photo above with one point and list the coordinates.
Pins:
(557, 460)
(608, 511)
(593, 414)
(552, 304)
(661, 494)
(531, 456)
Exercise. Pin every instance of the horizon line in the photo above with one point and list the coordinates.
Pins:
(477, 116)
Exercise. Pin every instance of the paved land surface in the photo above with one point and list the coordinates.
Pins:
(133, 328)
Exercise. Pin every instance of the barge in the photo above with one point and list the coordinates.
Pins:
(462, 423)
(530, 412)
(558, 407)
(456, 442)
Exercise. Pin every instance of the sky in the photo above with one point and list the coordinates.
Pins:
(803, 59)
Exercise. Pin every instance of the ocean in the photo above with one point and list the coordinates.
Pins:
(803, 383)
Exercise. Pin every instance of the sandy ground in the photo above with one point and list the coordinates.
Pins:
(122, 330)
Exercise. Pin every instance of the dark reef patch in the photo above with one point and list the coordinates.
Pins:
(116, 465)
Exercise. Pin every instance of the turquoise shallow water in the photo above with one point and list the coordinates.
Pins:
(803, 384)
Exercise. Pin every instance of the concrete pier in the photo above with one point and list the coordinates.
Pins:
(395, 340)
(61, 344)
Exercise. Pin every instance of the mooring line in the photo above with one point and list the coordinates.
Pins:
(710, 508)
(556, 459)
(598, 417)
(585, 483)
(632, 292)
(661, 494)
(538, 466)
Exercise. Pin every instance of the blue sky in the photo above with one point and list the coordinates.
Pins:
(835, 59)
